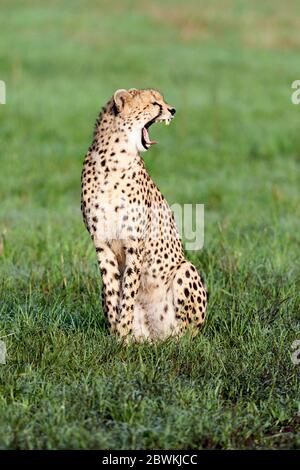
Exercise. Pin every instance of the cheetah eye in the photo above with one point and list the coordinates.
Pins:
(155, 103)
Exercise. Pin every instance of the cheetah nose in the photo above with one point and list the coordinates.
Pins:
(172, 111)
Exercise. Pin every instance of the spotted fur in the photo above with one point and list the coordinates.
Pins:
(150, 290)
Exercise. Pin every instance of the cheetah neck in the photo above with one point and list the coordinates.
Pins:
(112, 141)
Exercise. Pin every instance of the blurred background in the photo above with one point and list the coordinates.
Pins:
(227, 66)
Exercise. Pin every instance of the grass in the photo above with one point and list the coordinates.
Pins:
(233, 146)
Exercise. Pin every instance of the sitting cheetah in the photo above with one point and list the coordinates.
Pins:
(150, 291)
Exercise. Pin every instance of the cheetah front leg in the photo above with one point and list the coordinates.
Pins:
(111, 283)
(129, 288)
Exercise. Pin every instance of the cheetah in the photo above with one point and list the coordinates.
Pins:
(149, 290)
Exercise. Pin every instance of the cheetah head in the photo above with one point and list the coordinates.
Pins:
(138, 110)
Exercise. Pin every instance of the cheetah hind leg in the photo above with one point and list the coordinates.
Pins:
(190, 299)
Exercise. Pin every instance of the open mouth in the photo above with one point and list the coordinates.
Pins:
(146, 141)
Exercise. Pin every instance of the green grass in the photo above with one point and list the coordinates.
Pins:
(233, 146)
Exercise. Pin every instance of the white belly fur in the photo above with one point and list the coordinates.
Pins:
(150, 318)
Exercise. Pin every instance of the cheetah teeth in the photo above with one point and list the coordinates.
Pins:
(166, 121)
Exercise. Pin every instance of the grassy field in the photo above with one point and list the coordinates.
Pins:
(234, 146)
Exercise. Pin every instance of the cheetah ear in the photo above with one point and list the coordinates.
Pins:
(120, 98)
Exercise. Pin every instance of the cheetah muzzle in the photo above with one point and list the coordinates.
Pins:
(146, 142)
(150, 291)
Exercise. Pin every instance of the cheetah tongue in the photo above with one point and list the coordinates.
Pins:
(147, 138)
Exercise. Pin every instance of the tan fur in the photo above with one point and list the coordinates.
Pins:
(149, 290)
